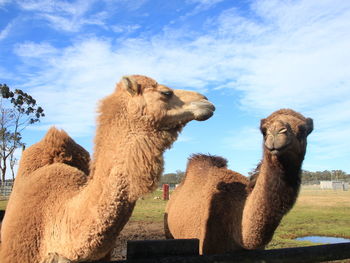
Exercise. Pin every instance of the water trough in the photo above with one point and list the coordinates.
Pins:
(323, 239)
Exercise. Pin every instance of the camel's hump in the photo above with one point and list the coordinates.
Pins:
(211, 160)
(59, 147)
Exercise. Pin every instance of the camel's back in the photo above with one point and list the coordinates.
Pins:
(204, 196)
(206, 175)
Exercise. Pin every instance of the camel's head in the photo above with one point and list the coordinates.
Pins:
(285, 132)
(159, 107)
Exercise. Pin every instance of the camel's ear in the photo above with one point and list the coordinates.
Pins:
(130, 85)
(262, 126)
(309, 125)
(306, 129)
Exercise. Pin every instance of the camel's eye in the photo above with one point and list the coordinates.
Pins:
(167, 93)
(284, 130)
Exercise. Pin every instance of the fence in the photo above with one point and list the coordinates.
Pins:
(335, 185)
(5, 189)
(186, 251)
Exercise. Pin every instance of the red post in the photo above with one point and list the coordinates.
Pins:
(165, 192)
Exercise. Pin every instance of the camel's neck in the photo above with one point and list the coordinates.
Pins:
(275, 191)
(136, 159)
(126, 165)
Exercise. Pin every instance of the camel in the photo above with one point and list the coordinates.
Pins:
(63, 209)
(227, 211)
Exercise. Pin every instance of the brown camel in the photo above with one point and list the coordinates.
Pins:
(64, 210)
(225, 210)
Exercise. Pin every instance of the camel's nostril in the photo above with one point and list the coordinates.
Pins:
(204, 97)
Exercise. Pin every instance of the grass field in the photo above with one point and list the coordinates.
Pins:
(317, 212)
(3, 205)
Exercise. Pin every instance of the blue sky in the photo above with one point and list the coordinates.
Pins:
(249, 58)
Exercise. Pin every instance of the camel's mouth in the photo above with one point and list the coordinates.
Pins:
(175, 128)
(205, 117)
(205, 111)
(279, 151)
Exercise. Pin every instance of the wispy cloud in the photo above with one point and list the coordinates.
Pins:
(63, 15)
(72, 16)
(283, 54)
(204, 4)
(35, 50)
(5, 32)
(125, 28)
(199, 6)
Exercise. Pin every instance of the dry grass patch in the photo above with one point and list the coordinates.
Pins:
(323, 198)
(316, 213)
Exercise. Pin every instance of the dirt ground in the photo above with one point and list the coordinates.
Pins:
(136, 230)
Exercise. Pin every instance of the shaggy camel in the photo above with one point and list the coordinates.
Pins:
(225, 210)
(57, 213)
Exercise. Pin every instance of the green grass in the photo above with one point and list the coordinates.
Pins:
(316, 213)
(149, 209)
(3, 205)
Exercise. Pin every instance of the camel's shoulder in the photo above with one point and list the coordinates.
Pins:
(56, 147)
(212, 168)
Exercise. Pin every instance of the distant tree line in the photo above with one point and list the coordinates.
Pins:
(172, 178)
(307, 177)
(315, 177)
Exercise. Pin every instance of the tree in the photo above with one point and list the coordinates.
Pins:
(179, 176)
(172, 178)
(18, 110)
(315, 177)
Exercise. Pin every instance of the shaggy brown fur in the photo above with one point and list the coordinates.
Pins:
(57, 213)
(228, 211)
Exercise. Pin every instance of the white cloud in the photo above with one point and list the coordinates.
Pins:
(34, 50)
(5, 32)
(205, 3)
(125, 28)
(72, 16)
(63, 15)
(71, 82)
(285, 54)
(76, 8)
(200, 6)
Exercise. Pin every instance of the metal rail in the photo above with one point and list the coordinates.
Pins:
(320, 253)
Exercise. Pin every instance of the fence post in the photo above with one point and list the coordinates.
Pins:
(165, 192)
